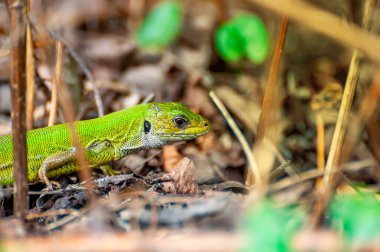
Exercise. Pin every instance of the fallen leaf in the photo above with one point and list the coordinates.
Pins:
(181, 180)
(184, 177)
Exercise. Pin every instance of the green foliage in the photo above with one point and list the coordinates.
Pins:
(271, 228)
(245, 35)
(357, 216)
(229, 44)
(255, 37)
(161, 26)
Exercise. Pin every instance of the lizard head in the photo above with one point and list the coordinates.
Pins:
(172, 122)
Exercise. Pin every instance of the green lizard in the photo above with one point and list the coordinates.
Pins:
(105, 139)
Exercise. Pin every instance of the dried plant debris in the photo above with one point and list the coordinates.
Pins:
(182, 179)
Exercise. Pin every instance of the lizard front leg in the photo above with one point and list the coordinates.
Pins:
(54, 162)
(98, 153)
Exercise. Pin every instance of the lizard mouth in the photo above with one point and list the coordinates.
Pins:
(187, 134)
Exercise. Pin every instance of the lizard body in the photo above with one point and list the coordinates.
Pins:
(105, 139)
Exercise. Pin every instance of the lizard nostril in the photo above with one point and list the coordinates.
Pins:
(206, 124)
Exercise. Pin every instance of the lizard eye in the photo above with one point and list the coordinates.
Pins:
(180, 121)
(147, 126)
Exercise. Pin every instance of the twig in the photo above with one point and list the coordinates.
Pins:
(30, 79)
(148, 98)
(270, 87)
(17, 17)
(243, 141)
(294, 180)
(320, 147)
(315, 174)
(67, 219)
(57, 83)
(270, 105)
(52, 213)
(333, 160)
(84, 171)
(275, 173)
(223, 11)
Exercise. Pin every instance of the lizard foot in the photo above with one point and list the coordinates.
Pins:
(108, 171)
(51, 186)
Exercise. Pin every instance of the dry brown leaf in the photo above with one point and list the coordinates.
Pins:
(182, 179)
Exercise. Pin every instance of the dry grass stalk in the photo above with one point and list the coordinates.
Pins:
(270, 87)
(270, 104)
(30, 79)
(57, 84)
(333, 160)
(325, 105)
(320, 148)
(253, 169)
(18, 17)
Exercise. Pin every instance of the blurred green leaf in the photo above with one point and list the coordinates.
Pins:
(161, 26)
(254, 33)
(229, 43)
(271, 228)
(357, 216)
(245, 35)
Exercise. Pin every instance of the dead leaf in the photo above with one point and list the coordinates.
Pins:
(184, 177)
(181, 180)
